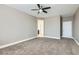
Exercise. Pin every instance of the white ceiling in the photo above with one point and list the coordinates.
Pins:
(56, 9)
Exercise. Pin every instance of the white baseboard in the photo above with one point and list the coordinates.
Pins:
(52, 37)
(10, 44)
(76, 41)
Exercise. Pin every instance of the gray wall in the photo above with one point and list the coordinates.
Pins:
(70, 18)
(52, 27)
(15, 25)
(76, 26)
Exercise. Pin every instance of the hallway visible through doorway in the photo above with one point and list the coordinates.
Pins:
(40, 27)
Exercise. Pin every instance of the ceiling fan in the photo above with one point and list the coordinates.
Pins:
(41, 9)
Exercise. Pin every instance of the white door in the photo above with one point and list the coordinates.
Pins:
(40, 28)
(67, 29)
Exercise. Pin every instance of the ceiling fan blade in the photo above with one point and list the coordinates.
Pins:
(39, 6)
(44, 11)
(38, 12)
(46, 8)
(35, 9)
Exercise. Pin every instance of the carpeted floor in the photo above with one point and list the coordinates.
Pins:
(43, 46)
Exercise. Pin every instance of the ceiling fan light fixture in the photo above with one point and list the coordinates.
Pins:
(40, 10)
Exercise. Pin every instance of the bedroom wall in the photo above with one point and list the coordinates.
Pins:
(76, 26)
(52, 27)
(15, 25)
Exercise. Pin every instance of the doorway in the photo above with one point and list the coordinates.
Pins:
(40, 27)
(67, 29)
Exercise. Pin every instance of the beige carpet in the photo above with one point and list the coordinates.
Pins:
(43, 46)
